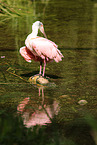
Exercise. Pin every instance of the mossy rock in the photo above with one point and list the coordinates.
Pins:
(38, 80)
(42, 80)
(33, 79)
(82, 102)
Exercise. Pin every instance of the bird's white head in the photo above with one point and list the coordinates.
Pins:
(38, 25)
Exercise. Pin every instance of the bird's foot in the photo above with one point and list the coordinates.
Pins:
(37, 75)
(45, 77)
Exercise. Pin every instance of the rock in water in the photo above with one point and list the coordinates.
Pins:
(38, 80)
(82, 102)
(32, 79)
(42, 80)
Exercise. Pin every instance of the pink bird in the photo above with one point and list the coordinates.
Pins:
(39, 48)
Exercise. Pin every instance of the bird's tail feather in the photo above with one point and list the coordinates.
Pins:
(59, 56)
(24, 53)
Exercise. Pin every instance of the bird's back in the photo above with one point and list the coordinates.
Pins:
(44, 48)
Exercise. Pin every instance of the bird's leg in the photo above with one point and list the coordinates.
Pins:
(44, 67)
(40, 68)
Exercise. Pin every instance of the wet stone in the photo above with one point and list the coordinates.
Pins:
(82, 102)
(38, 80)
(32, 79)
(42, 80)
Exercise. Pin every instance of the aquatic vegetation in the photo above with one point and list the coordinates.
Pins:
(6, 10)
(15, 8)
(74, 30)
(10, 70)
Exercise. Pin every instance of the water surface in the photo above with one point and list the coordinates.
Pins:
(72, 25)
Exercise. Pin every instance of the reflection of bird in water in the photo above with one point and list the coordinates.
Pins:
(38, 116)
(39, 48)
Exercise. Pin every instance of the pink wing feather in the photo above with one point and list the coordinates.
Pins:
(40, 48)
(45, 48)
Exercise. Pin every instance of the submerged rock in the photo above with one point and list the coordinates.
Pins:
(82, 102)
(42, 80)
(32, 79)
(38, 80)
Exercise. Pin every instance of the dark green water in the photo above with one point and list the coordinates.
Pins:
(72, 25)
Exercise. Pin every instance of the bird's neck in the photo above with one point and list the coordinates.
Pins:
(34, 33)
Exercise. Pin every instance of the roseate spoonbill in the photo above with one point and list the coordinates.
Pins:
(39, 48)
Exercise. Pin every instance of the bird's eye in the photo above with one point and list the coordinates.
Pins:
(40, 24)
